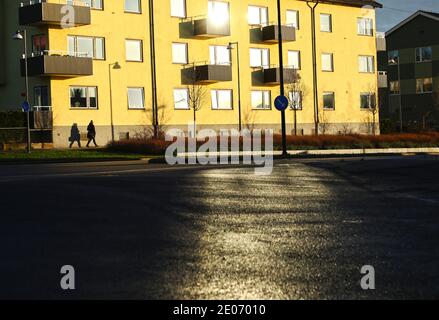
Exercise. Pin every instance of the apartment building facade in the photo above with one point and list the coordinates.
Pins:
(127, 64)
(412, 68)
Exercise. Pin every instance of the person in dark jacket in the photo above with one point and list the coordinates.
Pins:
(75, 136)
(91, 134)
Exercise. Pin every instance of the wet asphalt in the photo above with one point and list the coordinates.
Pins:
(138, 231)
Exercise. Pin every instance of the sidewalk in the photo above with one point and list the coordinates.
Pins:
(325, 152)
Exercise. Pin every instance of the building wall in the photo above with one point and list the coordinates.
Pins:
(12, 85)
(420, 32)
(116, 26)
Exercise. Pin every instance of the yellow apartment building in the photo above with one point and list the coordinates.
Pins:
(130, 64)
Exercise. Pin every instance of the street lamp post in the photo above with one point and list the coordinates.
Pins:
(22, 36)
(115, 66)
(281, 76)
(230, 47)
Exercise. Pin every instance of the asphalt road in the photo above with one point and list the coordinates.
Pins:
(137, 231)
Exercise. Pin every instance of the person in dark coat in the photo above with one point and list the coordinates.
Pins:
(91, 134)
(75, 136)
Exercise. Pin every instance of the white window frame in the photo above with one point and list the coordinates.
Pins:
(329, 93)
(186, 99)
(371, 99)
(142, 91)
(296, 23)
(370, 64)
(186, 54)
(365, 27)
(214, 56)
(266, 105)
(299, 58)
(264, 54)
(140, 47)
(331, 55)
(421, 54)
(263, 15)
(139, 4)
(296, 101)
(215, 94)
(178, 9)
(87, 97)
(76, 53)
(330, 22)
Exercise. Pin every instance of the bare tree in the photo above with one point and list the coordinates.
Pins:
(164, 115)
(196, 91)
(324, 124)
(373, 107)
(249, 119)
(297, 91)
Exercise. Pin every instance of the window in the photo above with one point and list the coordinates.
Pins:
(394, 87)
(178, 8)
(84, 97)
(366, 64)
(325, 22)
(132, 6)
(39, 44)
(327, 62)
(328, 101)
(94, 4)
(365, 26)
(424, 85)
(294, 59)
(257, 15)
(136, 98)
(181, 99)
(367, 100)
(134, 50)
(222, 100)
(295, 99)
(218, 11)
(293, 19)
(261, 100)
(423, 54)
(179, 53)
(86, 47)
(259, 58)
(393, 57)
(41, 96)
(219, 55)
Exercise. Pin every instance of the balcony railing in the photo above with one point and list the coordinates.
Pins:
(56, 63)
(270, 75)
(41, 12)
(204, 27)
(269, 33)
(204, 73)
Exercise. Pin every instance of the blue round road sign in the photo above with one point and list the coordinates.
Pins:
(25, 106)
(281, 103)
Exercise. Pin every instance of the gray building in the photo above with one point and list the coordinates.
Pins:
(410, 61)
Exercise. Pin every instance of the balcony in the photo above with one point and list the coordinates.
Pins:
(53, 64)
(206, 74)
(271, 76)
(39, 13)
(270, 34)
(202, 27)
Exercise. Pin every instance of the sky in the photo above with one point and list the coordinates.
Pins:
(395, 11)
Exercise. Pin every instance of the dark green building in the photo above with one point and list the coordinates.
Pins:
(412, 70)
